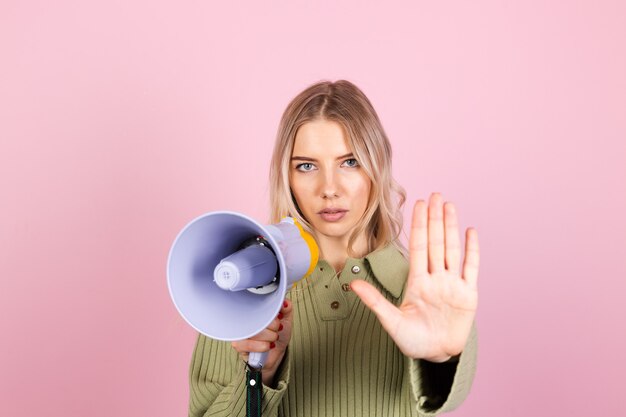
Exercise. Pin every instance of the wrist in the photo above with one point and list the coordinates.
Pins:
(438, 359)
(273, 375)
(443, 358)
(267, 376)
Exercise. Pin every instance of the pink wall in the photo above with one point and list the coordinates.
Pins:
(122, 120)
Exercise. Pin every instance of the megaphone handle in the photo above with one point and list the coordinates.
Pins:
(257, 359)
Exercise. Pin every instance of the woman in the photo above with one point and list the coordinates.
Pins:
(369, 332)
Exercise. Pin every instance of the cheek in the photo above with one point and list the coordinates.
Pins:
(300, 191)
(362, 189)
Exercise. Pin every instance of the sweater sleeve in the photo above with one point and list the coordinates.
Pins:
(217, 382)
(442, 387)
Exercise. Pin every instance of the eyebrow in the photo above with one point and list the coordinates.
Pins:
(306, 158)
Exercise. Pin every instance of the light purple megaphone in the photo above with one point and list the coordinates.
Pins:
(228, 275)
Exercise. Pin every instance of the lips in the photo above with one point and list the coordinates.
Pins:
(332, 210)
(332, 214)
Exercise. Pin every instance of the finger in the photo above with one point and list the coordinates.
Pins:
(418, 242)
(452, 240)
(274, 325)
(472, 257)
(249, 345)
(261, 339)
(286, 308)
(388, 314)
(435, 234)
(238, 346)
(266, 335)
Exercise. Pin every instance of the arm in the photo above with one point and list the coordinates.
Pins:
(217, 382)
(442, 387)
(434, 324)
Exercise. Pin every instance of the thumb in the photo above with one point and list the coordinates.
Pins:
(388, 314)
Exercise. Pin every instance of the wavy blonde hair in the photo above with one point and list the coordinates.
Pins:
(344, 103)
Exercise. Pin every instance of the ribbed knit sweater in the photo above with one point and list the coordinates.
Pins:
(340, 361)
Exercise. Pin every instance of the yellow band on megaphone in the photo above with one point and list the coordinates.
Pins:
(313, 248)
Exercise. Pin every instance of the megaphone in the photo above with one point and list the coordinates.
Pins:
(228, 275)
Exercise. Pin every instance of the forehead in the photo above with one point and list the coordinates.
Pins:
(321, 138)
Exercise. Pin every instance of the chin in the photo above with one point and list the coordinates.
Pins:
(336, 231)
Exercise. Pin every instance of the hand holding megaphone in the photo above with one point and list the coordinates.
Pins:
(273, 339)
(228, 275)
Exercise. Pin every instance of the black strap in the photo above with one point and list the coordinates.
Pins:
(254, 388)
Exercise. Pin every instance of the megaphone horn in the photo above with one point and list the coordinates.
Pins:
(228, 275)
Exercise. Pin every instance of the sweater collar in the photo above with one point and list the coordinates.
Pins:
(390, 268)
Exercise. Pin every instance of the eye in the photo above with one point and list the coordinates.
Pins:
(352, 163)
(305, 167)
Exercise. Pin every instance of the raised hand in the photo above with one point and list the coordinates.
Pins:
(435, 317)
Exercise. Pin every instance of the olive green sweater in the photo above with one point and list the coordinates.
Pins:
(340, 361)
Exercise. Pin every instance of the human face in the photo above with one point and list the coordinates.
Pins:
(329, 185)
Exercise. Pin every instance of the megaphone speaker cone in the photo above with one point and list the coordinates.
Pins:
(215, 312)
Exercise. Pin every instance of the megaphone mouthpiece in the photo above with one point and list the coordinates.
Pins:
(251, 267)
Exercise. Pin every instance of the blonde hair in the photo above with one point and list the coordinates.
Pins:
(344, 103)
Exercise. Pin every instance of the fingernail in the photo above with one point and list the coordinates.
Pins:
(272, 345)
(280, 316)
(285, 304)
(280, 327)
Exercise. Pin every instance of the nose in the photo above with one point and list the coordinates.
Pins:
(329, 186)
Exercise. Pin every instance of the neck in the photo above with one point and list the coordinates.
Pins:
(335, 250)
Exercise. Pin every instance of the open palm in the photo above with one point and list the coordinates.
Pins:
(435, 317)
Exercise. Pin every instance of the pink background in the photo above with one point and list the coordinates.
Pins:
(122, 120)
